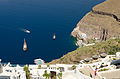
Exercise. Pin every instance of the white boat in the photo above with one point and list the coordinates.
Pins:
(27, 31)
(39, 61)
(24, 46)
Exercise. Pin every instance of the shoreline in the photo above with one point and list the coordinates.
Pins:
(96, 21)
(76, 28)
(95, 26)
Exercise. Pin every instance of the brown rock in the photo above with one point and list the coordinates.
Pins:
(103, 22)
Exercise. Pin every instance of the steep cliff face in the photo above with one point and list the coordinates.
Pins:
(103, 22)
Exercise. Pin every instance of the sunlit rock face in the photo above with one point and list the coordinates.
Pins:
(103, 22)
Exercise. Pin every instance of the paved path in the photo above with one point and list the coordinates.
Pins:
(88, 70)
(111, 74)
(70, 75)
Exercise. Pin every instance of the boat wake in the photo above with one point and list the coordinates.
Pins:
(15, 29)
(25, 30)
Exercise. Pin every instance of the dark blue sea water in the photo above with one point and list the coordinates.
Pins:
(42, 18)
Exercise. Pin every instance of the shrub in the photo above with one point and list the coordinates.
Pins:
(114, 49)
(73, 67)
(114, 58)
(48, 65)
(26, 69)
(39, 66)
(103, 70)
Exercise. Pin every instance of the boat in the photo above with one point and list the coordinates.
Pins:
(54, 37)
(27, 31)
(24, 45)
(39, 61)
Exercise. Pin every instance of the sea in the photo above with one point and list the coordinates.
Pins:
(42, 18)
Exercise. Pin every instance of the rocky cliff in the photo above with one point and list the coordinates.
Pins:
(109, 47)
(103, 22)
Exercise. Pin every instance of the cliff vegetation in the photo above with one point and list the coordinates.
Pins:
(109, 47)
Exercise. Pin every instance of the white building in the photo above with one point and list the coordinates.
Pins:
(118, 54)
(55, 69)
(12, 72)
(36, 71)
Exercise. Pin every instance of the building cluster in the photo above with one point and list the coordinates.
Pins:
(103, 67)
(10, 72)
